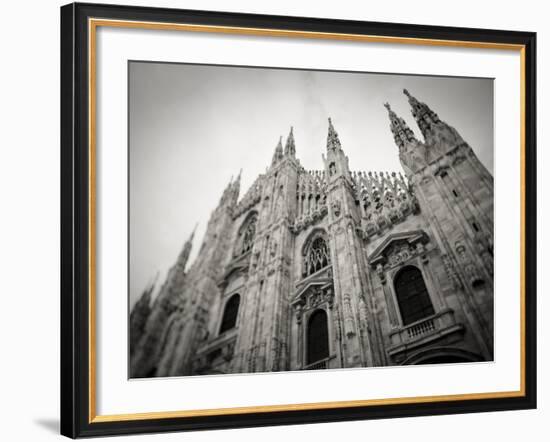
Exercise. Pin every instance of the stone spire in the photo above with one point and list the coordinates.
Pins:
(139, 315)
(236, 188)
(186, 251)
(333, 142)
(143, 304)
(424, 116)
(438, 135)
(278, 154)
(402, 133)
(226, 192)
(336, 162)
(290, 146)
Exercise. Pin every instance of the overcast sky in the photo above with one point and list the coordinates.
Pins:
(193, 127)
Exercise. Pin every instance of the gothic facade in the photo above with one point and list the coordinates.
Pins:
(333, 268)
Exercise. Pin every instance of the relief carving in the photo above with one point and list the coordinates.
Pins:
(469, 267)
(336, 208)
(273, 247)
(348, 316)
(451, 272)
(399, 254)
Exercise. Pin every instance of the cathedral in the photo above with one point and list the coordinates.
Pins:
(333, 268)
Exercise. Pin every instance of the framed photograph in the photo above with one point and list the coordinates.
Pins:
(274, 220)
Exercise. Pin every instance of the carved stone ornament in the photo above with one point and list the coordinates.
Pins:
(273, 247)
(380, 273)
(336, 208)
(315, 298)
(399, 254)
(255, 259)
(398, 248)
(363, 315)
(299, 313)
(312, 297)
(348, 316)
(451, 272)
(469, 267)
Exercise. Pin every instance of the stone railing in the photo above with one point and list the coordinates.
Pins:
(319, 365)
(218, 341)
(421, 328)
(431, 325)
(215, 352)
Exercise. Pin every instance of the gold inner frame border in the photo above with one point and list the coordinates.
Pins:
(93, 24)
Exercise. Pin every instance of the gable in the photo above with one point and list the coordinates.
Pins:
(410, 238)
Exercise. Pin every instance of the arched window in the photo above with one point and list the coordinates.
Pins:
(229, 319)
(412, 295)
(316, 257)
(317, 337)
(246, 236)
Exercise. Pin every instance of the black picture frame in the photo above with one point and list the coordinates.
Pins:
(75, 221)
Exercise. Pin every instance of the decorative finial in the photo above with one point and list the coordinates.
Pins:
(290, 146)
(426, 118)
(278, 154)
(387, 106)
(186, 250)
(333, 142)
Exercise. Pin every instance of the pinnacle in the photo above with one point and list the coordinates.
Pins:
(193, 232)
(399, 127)
(290, 147)
(333, 142)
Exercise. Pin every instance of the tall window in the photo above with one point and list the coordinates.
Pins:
(246, 235)
(317, 337)
(229, 319)
(317, 256)
(412, 295)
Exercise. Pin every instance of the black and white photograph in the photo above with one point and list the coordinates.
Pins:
(284, 219)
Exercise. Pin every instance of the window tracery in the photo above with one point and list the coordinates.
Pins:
(246, 235)
(316, 257)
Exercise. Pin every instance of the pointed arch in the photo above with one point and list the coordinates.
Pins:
(316, 253)
(412, 295)
(246, 234)
(317, 337)
(230, 313)
(442, 355)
